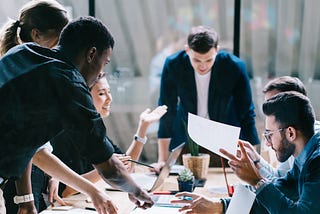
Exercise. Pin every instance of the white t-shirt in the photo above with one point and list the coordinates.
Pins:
(202, 83)
(47, 145)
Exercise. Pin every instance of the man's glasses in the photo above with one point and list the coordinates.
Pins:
(268, 134)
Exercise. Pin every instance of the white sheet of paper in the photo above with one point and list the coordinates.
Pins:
(241, 201)
(157, 210)
(73, 211)
(213, 135)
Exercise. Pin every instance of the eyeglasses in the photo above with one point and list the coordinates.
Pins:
(268, 134)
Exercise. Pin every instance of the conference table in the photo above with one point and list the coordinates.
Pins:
(215, 186)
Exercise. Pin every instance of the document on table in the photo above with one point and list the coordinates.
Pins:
(156, 210)
(213, 135)
(72, 211)
(241, 201)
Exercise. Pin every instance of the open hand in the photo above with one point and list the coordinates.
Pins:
(243, 166)
(149, 116)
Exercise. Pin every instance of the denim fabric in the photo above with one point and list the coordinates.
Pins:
(39, 186)
(298, 192)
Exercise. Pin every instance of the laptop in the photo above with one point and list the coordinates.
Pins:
(151, 182)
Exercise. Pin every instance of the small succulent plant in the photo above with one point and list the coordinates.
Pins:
(185, 175)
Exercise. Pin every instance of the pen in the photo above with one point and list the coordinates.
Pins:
(165, 192)
(137, 162)
(90, 208)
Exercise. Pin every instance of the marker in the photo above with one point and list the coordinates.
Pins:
(143, 164)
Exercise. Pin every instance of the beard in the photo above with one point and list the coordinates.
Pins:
(285, 150)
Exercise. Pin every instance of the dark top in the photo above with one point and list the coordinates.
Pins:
(229, 101)
(66, 149)
(43, 94)
(298, 191)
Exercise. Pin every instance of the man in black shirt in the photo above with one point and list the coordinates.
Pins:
(45, 92)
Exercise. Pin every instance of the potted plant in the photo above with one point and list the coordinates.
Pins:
(197, 162)
(186, 180)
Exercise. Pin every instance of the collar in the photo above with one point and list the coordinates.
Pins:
(311, 145)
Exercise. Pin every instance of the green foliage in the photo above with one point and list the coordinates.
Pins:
(193, 146)
(185, 175)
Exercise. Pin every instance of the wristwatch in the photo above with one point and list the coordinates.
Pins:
(140, 139)
(260, 183)
(23, 198)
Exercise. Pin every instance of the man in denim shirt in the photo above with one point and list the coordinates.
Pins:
(289, 131)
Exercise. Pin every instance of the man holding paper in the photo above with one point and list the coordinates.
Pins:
(206, 82)
(289, 131)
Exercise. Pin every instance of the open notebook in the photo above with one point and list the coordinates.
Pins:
(151, 182)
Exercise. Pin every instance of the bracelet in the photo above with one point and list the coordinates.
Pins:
(140, 139)
(23, 198)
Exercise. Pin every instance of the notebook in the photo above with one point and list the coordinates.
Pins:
(150, 181)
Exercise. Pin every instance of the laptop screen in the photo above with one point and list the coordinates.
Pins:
(165, 171)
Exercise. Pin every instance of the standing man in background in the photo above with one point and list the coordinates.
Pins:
(205, 82)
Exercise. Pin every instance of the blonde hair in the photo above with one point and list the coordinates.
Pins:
(48, 16)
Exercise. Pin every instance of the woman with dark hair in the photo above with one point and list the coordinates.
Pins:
(40, 21)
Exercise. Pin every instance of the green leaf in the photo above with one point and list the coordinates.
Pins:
(193, 146)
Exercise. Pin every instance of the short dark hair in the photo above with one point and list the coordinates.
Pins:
(84, 33)
(202, 38)
(285, 83)
(291, 109)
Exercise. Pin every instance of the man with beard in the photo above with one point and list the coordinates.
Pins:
(289, 131)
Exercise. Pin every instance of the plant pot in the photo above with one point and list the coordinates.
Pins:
(198, 165)
(186, 186)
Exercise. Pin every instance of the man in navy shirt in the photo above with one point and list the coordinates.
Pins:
(45, 92)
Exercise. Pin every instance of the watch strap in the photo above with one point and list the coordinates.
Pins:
(23, 198)
(140, 139)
